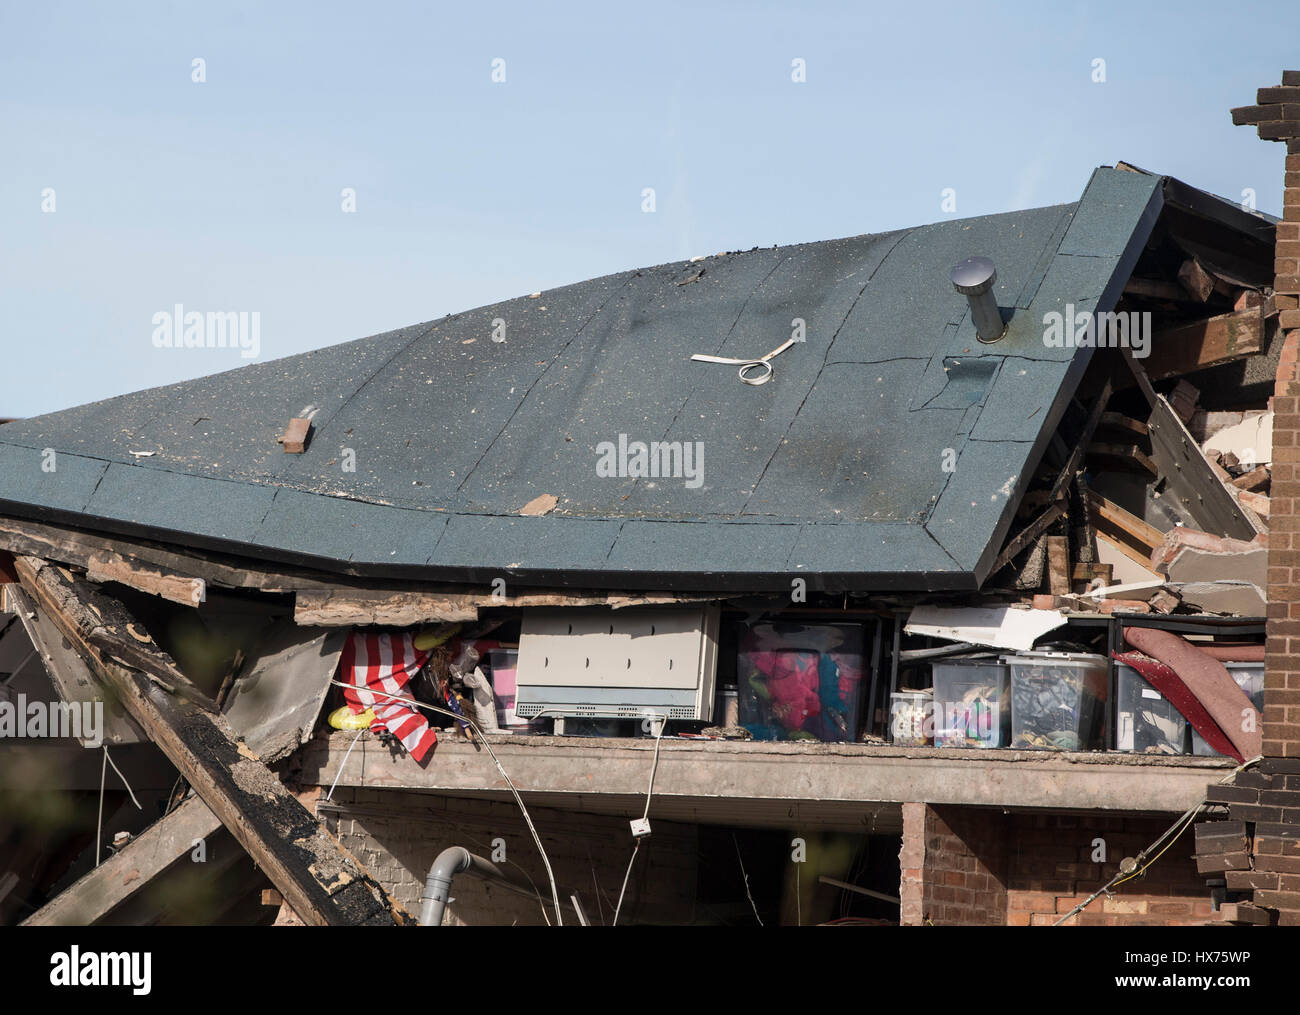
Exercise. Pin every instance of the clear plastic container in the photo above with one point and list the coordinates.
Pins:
(1058, 700)
(1146, 722)
(972, 703)
(799, 681)
(911, 718)
(1250, 678)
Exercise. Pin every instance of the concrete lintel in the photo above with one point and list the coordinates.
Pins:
(696, 772)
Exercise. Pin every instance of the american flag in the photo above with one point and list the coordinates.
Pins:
(383, 664)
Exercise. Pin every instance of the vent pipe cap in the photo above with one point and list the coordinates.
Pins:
(974, 278)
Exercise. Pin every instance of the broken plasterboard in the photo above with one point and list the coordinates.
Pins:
(1251, 440)
(275, 700)
(998, 627)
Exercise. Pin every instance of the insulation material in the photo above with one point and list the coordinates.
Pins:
(1211, 684)
(380, 665)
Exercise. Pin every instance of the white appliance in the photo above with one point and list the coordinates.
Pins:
(618, 664)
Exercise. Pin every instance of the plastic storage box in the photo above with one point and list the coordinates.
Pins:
(911, 718)
(972, 703)
(505, 662)
(1145, 720)
(799, 681)
(1057, 700)
(1250, 678)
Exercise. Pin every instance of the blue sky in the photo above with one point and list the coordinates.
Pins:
(226, 194)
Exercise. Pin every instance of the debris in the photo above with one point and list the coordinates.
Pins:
(1251, 440)
(1257, 502)
(1164, 601)
(1183, 399)
(1006, 627)
(539, 505)
(1214, 573)
(295, 437)
(1256, 479)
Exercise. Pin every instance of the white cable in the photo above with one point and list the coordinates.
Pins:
(555, 893)
(627, 874)
(752, 905)
(343, 764)
(109, 758)
(644, 814)
(99, 825)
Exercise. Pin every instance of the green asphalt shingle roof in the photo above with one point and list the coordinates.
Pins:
(832, 471)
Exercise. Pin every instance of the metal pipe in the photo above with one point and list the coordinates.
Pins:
(974, 278)
(437, 886)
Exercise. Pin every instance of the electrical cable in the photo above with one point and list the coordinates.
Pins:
(1171, 833)
(659, 736)
(555, 894)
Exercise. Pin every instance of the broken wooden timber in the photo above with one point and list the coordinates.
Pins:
(78, 548)
(1058, 565)
(1128, 457)
(1026, 536)
(1210, 342)
(117, 879)
(350, 607)
(157, 581)
(324, 884)
(1075, 460)
(1133, 536)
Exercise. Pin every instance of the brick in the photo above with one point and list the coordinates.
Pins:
(1249, 881)
(1170, 908)
(1278, 900)
(1118, 904)
(1277, 864)
(1232, 795)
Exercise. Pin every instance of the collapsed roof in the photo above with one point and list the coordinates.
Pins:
(834, 470)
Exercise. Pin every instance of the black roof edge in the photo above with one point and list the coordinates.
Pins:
(418, 575)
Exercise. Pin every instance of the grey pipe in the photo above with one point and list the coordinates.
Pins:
(437, 886)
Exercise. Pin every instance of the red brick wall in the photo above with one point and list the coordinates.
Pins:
(1274, 869)
(964, 865)
(1050, 870)
(963, 875)
(1281, 726)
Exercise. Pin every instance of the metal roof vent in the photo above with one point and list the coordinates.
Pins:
(974, 279)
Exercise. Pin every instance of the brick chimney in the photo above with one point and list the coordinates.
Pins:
(1274, 818)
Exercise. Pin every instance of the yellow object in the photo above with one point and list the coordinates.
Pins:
(345, 719)
(432, 637)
